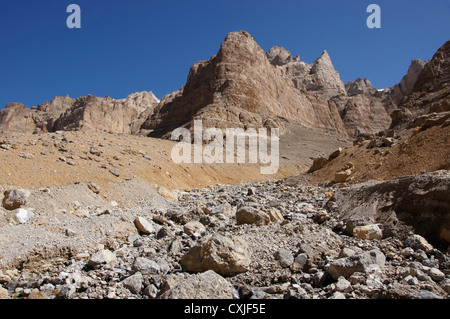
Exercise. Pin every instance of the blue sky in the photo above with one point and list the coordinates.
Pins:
(136, 45)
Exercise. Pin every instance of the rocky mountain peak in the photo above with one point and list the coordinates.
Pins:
(360, 86)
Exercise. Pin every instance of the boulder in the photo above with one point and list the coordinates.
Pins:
(358, 263)
(368, 232)
(207, 285)
(251, 215)
(144, 226)
(227, 256)
(14, 199)
(102, 257)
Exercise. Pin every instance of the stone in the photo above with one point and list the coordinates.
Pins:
(102, 257)
(194, 228)
(342, 176)
(146, 266)
(23, 215)
(436, 274)
(335, 154)
(167, 194)
(134, 283)
(4, 293)
(300, 261)
(318, 163)
(67, 292)
(368, 232)
(14, 199)
(284, 257)
(343, 285)
(114, 172)
(424, 294)
(94, 187)
(227, 256)
(250, 215)
(144, 226)
(275, 215)
(224, 209)
(358, 263)
(207, 285)
(418, 242)
(95, 151)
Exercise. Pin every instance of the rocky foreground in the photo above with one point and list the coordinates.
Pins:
(279, 239)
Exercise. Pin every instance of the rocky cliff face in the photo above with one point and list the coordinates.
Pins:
(361, 108)
(239, 87)
(431, 91)
(16, 117)
(93, 114)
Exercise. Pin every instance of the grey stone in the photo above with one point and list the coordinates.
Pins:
(357, 263)
(134, 283)
(146, 266)
(284, 257)
(207, 285)
(102, 257)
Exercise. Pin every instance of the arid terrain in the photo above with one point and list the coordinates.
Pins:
(94, 207)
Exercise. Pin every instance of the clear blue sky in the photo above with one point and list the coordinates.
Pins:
(136, 45)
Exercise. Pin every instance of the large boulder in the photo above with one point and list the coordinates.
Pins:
(357, 263)
(207, 285)
(227, 256)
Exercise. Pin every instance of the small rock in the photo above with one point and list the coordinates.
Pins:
(4, 293)
(194, 228)
(144, 226)
(342, 176)
(343, 285)
(300, 261)
(134, 283)
(93, 187)
(146, 266)
(14, 199)
(114, 172)
(167, 194)
(207, 285)
(102, 257)
(436, 274)
(95, 151)
(250, 215)
(418, 242)
(23, 215)
(285, 257)
(357, 263)
(368, 232)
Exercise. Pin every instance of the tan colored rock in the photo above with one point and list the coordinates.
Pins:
(250, 215)
(144, 226)
(368, 232)
(194, 228)
(342, 176)
(102, 257)
(208, 285)
(167, 194)
(4, 293)
(227, 256)
(275, 215)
